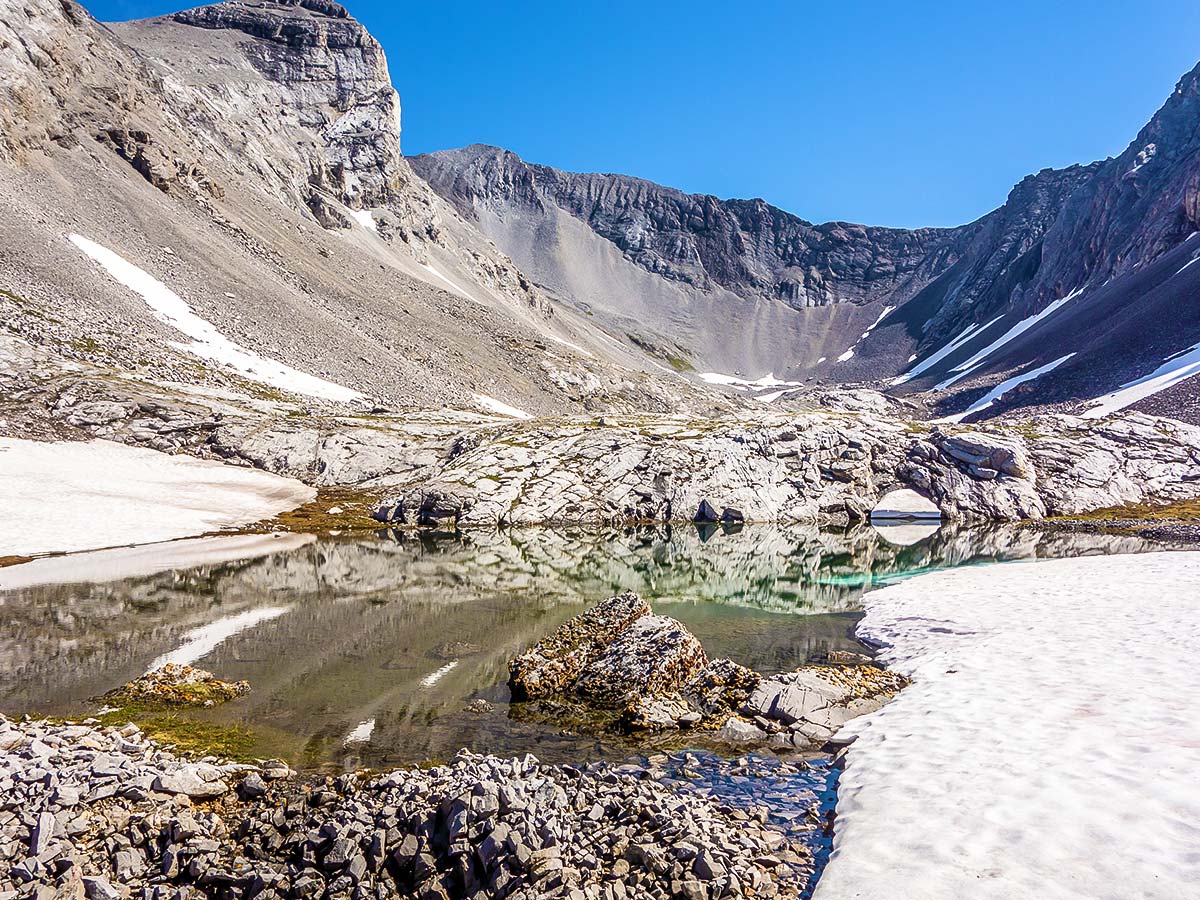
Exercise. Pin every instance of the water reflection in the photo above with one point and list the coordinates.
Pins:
(367, 651)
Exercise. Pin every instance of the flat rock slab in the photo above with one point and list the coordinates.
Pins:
(817, 700)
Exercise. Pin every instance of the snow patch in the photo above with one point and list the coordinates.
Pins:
(64, 496)
(1004, 387)
(933, 359)
(491, 404)
(1174, 369)
(364, 218)
(462, 292)
(207, 342)
(1048, 746)
(847, 355)
(767, 381)
(1012, 333)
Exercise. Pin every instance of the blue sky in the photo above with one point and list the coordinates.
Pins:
(888, 113)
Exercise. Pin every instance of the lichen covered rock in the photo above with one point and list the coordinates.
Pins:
(178, 685)
(654, 655)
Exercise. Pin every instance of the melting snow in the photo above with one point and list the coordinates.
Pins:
(199, 642)
(1048, 746)
(847, 355)
(360, 733)
(767, 381)
(1004, 387)
(364, 218)
(932, 360)
(62, 496)
(491, 404)
(208, 343)
(465, 294)
(1174, 369)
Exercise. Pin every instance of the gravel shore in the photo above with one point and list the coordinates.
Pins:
(105, 814)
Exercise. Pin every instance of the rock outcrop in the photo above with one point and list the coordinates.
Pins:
(814, 467)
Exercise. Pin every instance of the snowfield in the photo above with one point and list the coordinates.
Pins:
(63, 496)
(1049, 746)
(1174, 369)
(207, 342)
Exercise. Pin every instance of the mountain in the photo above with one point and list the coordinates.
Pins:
(1078, 284)
(234, 173)
(219, 198)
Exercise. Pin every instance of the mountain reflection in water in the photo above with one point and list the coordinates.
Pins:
(400, 631)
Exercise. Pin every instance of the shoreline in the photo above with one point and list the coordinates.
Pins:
(66, 497)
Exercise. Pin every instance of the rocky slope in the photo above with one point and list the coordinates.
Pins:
(245, 158)
(741, 287)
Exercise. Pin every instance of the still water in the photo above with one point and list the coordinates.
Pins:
(366, 651)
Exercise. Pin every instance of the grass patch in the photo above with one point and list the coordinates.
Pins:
(680, 364)
(1182, 511)
(353, 506)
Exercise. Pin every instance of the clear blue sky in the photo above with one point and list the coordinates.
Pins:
(889, 113)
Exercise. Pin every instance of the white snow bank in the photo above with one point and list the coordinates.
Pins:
(1174, 369)
(63, 496)
(905, 503)
(100, 566)
(936, 357)
(207, 342)
(849, 354)
(1004, 387)
(491, 404)
(199, 642)
(1048, 746)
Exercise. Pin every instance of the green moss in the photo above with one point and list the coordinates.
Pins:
(679, 364)
(190, 736)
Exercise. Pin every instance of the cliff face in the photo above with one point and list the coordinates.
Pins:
(745, 246)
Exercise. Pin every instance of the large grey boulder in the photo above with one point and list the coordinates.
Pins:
(554, 664)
